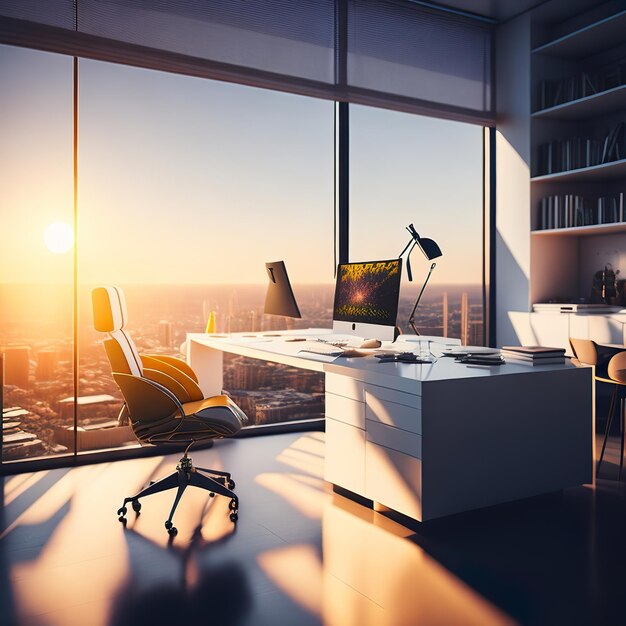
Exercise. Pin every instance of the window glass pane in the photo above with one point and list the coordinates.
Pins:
(36, 260)
(187, 188)
(407, 169)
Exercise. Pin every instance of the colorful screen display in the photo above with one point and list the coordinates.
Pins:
(368, 292)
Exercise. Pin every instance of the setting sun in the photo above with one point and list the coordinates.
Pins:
(58, 237)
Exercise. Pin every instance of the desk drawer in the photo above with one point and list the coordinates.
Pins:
(393, 479)
(392, 414)
(345, 386)
(345, 410)
(344, 462)
(394, 438)
(398, 397)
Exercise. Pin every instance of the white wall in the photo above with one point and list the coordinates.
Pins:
(512, 254)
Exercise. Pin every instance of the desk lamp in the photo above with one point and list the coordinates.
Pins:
(279, 299)
(431, 251)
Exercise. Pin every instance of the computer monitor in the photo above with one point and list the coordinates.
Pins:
(279, 298)
(366, 299)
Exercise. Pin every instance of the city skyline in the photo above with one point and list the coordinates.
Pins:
(39, 369)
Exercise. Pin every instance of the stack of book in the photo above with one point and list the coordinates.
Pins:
(552, 93)
(533, 355)
(561, 155)
(565, 211)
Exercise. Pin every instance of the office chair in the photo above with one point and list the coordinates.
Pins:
(610, 368)
(165, 405)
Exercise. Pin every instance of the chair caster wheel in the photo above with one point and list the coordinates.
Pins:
(211, 495)
(233, 505)
(172, 532)
(168, 525)
(234, 517)
(136, 506)
(231, 484)
(122, 520)
(122, 511)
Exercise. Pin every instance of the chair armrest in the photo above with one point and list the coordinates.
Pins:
(177, 363)
(168, 382)
(191, 386)
(147, 400)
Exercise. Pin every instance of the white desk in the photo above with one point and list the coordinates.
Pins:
(430, 440)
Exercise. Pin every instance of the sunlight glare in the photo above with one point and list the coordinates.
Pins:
(58, 237)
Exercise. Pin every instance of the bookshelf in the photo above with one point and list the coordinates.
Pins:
(577, 154)
(615, 170)
(587, 40)
(577, 231)
(601, 103)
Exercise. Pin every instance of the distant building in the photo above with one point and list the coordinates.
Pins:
(16, 443)
(17, 366)
(47, 361)
(103, 406)
(464, 319)
(166, 333)
(289, 405)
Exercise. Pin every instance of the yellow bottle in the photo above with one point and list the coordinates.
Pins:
(210, 325)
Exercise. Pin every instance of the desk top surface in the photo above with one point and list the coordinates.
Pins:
(369, 369)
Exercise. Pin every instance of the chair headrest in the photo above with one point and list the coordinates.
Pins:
(109, 309)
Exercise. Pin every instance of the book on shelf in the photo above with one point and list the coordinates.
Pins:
(569, 210)
(551, 93)
(562, 155)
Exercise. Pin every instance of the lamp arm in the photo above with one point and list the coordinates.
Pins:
(419, 297)
(411, 241)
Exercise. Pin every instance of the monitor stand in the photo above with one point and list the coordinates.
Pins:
(367, 331)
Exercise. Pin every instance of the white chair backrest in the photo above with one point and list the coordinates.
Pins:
(109, 316)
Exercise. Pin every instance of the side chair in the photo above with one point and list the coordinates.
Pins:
(610, 369)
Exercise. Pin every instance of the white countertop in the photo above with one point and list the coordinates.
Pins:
(403, 376)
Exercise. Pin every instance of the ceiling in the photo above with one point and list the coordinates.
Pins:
(502, 10)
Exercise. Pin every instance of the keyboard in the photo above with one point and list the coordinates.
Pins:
(318, 347)
(342, 339)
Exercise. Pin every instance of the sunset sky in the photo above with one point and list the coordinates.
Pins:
(184, 180)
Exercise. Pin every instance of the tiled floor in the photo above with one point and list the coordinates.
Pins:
(299, 554)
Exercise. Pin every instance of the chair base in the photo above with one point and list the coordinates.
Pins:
(214, 481)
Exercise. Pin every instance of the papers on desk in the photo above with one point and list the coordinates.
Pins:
(330, 352)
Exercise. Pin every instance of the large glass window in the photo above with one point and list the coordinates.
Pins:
(410, 169)
(187, 188)
(36, 260)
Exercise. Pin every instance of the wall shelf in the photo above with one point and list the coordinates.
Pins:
(603, 103)
(598, 173)
(589, 40)
(574, 231)
(563, 260)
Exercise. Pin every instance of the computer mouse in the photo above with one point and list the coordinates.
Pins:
(370, 343)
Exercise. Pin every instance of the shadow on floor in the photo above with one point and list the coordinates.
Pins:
(554, 559)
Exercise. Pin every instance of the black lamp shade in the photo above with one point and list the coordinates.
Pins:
(429, 247)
